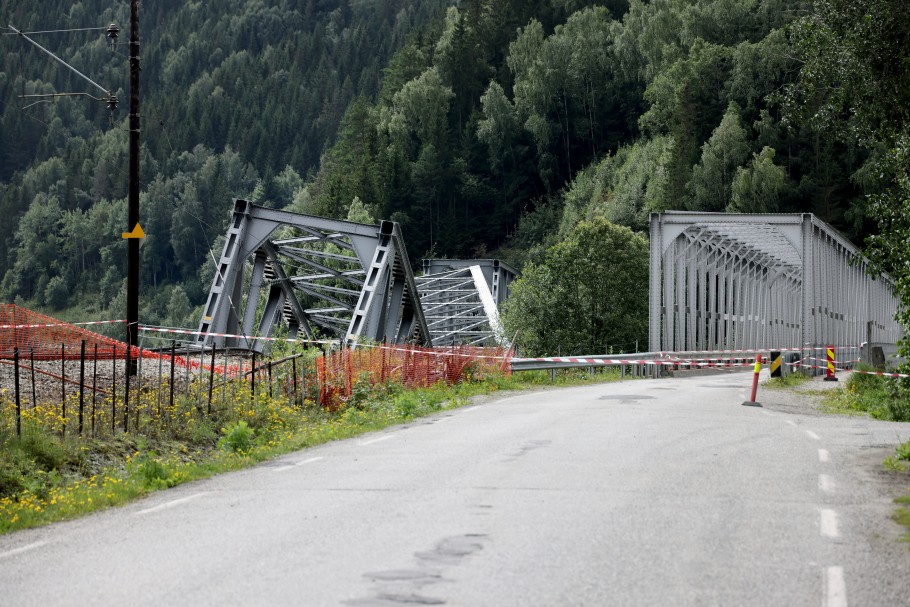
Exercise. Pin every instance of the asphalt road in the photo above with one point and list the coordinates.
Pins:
(646, 492)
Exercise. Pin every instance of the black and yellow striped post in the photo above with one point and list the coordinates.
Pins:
(776, 367)
(829, 359)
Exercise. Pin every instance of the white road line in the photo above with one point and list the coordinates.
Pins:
(791, 422)
(22, 549)
(828, 523)
(376, 440)
(825, 483)
(768, 413)
(823, 455)
(835, 587)
(474, 408)
(812, 435)
(171, 503)
(295, 464)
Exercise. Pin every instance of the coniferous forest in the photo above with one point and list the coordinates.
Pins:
(485, 127)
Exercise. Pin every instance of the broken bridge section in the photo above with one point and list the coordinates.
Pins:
(461, 299)
(352, 281)
(721, 281)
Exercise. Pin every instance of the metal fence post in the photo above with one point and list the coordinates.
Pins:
(18, 402)
(63, 384)
(173, 360)
(34, 395)
(81, 384)
(211, 378)
(94, 389)
(126, 388)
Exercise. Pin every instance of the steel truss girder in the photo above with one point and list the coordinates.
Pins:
(460, 307)
(722, 281)
(373, 297)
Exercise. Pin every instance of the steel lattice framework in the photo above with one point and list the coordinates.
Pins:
(352, 280)
(743, 282)
(460, 300)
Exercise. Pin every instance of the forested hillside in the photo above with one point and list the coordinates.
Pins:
(238, 99)
(486, 127)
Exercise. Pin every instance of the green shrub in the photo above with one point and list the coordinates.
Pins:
(237, 438)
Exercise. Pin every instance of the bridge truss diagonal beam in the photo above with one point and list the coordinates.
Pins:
(721, 281)
(353, 281)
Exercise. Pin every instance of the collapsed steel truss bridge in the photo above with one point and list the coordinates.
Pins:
(346, 281)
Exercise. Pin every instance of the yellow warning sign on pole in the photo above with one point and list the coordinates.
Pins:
(136, 233)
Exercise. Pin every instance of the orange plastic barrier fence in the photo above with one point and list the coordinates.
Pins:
(338, 372)
(42, 337)
(49, 339)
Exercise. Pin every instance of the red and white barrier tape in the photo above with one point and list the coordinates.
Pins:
(840, 370)
(437, 351)
(150, 329)
(620, 362)
(795, 348)
(62, 324)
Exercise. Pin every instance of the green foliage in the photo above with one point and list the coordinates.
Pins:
(237, 438)
(758, 187)
(722, 155)
(900, 461)
(484, 127)
(854, 83)
(589, 293)
(881, 397)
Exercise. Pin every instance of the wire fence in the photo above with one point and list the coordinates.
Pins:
(91, 392)
(69, 380)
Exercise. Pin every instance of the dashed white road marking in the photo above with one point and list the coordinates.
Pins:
(790, 421)
(474, 408)
(835, 587)
(812, 435)
(828, 523)
(22, 549)
(823, 455)
(295, 464)
(825, 483)
(376, 440)
(172, 503)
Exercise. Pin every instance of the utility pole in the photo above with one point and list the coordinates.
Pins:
(132, 273)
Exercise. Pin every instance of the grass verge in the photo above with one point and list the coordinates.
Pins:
(880, 397)
(46, 478)
(900, 462)
(790, 380)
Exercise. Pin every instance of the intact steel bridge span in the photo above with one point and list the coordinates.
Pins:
(346, 281)
(756, 282)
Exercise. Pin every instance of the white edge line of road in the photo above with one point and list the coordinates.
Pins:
(790, 421)
(835, 587)
(812, 435)
(828, 523)
(376, 440)
(171, 503)
(466, 409)
(22, 549)
(295, 464)
(823, 455)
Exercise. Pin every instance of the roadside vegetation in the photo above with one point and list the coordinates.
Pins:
(790, 380)
(880, 397)
(900, 463)
(45, 477)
